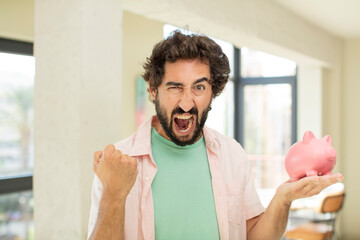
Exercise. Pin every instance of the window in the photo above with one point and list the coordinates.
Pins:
(17, 71)
(266, 113)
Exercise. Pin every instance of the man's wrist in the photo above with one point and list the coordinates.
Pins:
(283, 199)
(114, 195)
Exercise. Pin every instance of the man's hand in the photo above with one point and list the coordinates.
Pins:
(272, 223)
(306, 187)
(117, 172)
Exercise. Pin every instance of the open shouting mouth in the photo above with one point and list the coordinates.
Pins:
(184, 124)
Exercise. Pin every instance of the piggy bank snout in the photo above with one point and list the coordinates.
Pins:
(331, 154)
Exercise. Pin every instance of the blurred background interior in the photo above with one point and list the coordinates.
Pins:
(70, 83)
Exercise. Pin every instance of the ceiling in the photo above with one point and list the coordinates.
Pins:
(338, 17)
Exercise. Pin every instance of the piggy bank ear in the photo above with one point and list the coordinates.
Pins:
(327, 138)
(308, 135)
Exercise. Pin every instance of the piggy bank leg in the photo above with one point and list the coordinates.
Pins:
(311, 173)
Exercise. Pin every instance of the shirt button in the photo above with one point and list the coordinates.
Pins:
(147, 178)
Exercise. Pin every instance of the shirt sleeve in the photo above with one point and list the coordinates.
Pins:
(253, 204)
(96, 193)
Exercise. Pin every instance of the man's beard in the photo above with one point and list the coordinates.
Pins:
(168, 125)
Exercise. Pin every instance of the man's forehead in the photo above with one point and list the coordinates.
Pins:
(182, 70)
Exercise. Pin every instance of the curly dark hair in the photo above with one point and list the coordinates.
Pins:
(180, 46)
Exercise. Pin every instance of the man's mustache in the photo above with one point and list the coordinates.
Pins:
(178, 110)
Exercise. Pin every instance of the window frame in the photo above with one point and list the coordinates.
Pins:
(239, 85)
(21, 182)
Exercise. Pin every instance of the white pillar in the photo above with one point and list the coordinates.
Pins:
(77, 107)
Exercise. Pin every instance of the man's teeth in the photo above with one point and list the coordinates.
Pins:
(189, 126)
(183, 117)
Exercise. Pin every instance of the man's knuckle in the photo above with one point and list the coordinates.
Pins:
(96, 154)
(110, 148)
(117, 155)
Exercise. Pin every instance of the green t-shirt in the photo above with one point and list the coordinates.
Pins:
(182, 191)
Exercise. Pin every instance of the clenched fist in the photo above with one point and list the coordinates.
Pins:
(116, 171)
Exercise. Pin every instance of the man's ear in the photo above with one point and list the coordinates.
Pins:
(152, 92)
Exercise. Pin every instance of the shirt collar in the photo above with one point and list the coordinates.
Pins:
(142, 139)
(211, 139)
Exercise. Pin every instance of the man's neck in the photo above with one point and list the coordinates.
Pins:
(156, 124)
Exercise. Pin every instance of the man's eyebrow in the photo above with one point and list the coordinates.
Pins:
(177, 84)
(204, 79)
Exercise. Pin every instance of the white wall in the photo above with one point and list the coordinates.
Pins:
(262, 25)
(76, 107)
(350, 142)
(17, 19)
(309, 100)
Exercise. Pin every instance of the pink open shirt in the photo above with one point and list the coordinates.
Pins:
(235, 196)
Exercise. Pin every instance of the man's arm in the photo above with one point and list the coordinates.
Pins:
(272, 223)
(117, 173)
(110, 220)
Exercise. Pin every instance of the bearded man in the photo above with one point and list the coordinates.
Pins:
(174, 178)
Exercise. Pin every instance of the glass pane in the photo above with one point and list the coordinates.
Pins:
(221, 116)
(16, 113)
(260, 64)
(17, 216)
(267, 135)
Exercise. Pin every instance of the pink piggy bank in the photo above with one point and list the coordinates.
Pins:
(310, 157)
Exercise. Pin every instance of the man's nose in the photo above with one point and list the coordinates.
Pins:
(186, 101)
